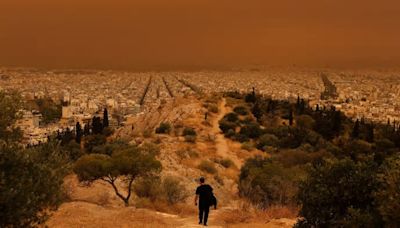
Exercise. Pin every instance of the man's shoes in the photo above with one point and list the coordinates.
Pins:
(205, 225)
(200, 222)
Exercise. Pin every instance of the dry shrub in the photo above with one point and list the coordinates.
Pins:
(182, 154)
(187, 153)
(193, 153)
(147, 133)
(104, 199)
(208, 167)
(225, 162)
(247, 146)
(149, 187)
(246, 213)
(279, 211)
(190, 138)
(242, 214)
(174, 190)
(165, 195)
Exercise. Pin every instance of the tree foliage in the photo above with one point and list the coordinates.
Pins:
(388, 193)
(337, 192)
(128, 164)
(266, 182)
(164, 128)
(30, 183)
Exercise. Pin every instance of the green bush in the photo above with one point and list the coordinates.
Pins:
(174, 190)
(190, 138)
(72, 150)
(171, 189)
(148, 187)
(226, 126)
(387, 195)
(265, 182)
(230, 133)
(150, 149)
(164, 128)
(208, 167)
(336, 193)
(108, 131)
(247, 146)
(241, 110)
(231, 117)
(189, 131)
(305, 121)
(93, 141)
(241, 137)
(267, 140)
(31, 184)
(251, 130)
(247, 120)
(226, 162)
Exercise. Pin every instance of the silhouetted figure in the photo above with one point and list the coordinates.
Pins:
(206, 116)
(205, 198)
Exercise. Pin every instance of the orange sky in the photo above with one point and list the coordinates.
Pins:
(132, 34)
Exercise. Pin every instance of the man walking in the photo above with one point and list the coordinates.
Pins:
(204, 198)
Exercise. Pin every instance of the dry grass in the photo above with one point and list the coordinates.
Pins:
(80, 214)
(180, 209)
(246, 213)
(242, 214)
(276, 212)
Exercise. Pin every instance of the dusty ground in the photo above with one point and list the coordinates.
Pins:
(82, 214)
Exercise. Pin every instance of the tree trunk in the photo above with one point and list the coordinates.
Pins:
(125, 199)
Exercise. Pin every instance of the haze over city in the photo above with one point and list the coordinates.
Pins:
(193, 113)
(179, 34)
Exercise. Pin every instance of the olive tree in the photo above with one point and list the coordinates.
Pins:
(129, 164)
(30, 183)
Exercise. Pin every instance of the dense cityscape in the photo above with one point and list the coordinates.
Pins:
(80, 95)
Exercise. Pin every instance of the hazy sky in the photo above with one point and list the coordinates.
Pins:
(133, 34)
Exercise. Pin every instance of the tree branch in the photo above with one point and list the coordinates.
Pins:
(130, 186)
(119, 194)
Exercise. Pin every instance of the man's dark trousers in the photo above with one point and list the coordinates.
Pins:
(203, 210)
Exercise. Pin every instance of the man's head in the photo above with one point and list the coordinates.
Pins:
(202, 180)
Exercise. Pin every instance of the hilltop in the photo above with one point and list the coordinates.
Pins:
(209, 154)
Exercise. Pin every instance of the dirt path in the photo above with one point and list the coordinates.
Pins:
(220, 142)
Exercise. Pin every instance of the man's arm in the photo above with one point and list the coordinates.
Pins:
(195, 199)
